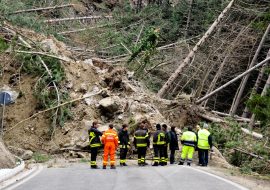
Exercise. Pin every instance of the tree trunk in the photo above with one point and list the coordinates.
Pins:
(76, 18)
(245, 79)
(187, 60)
(214, 81)
(6, 158)
(42, 9)
(188, 18)
(266, 87)
(232, 81)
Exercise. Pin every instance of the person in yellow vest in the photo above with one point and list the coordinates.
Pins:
(189, 141)
(204, 145)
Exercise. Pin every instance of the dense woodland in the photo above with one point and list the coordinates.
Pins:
(180, 47)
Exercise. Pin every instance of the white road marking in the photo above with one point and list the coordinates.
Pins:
(218, 177)
(24, 177)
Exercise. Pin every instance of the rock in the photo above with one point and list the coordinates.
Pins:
(82, 155)
(82, 144)
(109, 106)
(87, 124)
(104, 94)
(17, 151)
(103, 128)
(91, 100)
(103, 84)
(129, 88)
(27, 155)
(130, 75)
(48, 45)
(72, 154)
(120, 117)
(88, 61)
(83, 88)
(69, 85)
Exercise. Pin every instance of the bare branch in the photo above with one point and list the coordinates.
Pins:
(76, 18)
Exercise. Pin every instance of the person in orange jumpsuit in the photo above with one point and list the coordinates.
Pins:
(110, 141)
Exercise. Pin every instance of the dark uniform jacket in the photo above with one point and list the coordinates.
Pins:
(123, 139)
(159, 138)
(141, 138)
(173, 140)
(167, 137)
(94, 137)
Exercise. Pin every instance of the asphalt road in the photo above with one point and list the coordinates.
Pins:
(81, 177)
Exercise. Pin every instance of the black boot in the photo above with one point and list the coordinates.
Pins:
(94, 167)
(181, 163)
(189, 164)
(124, 164)
(155, 164)
(104, 167)
(113, 167)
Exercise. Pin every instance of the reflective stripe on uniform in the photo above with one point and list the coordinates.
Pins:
(93, 163)
(95, 145)
(122, 161)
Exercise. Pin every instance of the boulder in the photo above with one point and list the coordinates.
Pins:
(108, 106)
(83, 88)
(82, 155)
(27, 155)
(49, 46)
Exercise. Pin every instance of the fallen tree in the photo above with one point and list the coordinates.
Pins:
(42, 9)
(191, 54)
(219, 120)
(76, 18)
(6, 158)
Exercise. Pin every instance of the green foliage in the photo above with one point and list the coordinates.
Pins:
(3, 45)
(260, 106)
(262, 22)
(41, 158)
(135, 29)
(32, 20)
(45, 91)
(226, 139)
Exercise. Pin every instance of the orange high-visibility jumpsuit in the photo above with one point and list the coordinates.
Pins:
(110, 141)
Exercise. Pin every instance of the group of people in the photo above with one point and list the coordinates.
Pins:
(162, 139)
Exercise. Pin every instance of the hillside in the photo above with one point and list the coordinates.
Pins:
(73, 62)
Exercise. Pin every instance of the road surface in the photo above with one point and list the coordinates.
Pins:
(81, 177)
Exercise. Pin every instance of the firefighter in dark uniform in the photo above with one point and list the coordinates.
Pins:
(167, 142)
(124, 144)
(95, 143)
(141, 142)
(158, 145)
(173, 144)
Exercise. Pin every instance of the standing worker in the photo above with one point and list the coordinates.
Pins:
(94, 142)
(158, 145)
(167, 142)
(189, 141)
(173, 144)
(110, 141)
(141, 142)
(124, 144)
(204, 144)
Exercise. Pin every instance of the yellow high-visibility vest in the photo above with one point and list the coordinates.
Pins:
(203, 143)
